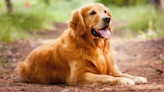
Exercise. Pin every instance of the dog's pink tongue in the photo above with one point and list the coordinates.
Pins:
(105, 33)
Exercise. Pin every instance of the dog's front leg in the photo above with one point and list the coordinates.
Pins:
(136, 79)
(91, 79)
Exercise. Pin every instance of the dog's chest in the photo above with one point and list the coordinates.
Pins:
(104, 61)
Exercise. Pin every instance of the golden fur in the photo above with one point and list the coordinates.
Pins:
(77, 57)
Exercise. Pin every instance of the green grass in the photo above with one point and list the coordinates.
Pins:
(162, 61)
(145, 20)
(24, 22)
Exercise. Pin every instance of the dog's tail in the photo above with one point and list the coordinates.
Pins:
(24, 72)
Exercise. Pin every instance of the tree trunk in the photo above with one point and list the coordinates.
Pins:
(9, 6)
(162, 5)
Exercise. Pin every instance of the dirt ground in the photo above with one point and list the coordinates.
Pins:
(134, 56)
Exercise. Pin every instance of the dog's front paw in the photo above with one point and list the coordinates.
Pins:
(138, 80)
(125, 81)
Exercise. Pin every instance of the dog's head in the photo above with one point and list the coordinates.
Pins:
(93, 19)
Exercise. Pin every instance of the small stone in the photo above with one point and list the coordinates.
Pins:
(65, 90)
(23, 89)
(14, 59)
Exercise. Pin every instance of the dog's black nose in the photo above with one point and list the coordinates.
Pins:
(106, 19)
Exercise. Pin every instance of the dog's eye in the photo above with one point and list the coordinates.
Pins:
(105, 11)
(92, 13)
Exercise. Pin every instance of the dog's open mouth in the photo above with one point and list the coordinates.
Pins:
(101, 33)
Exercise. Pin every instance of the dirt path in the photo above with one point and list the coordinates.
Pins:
(136, 57)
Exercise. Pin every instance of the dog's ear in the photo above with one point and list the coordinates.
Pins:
(111, 22)
(77, 23)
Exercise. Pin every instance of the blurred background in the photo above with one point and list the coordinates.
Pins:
(21, 19)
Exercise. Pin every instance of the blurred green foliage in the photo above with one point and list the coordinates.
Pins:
(22, 23)
(143, 21)
(148, 23)
(30, 16)
(123, 2)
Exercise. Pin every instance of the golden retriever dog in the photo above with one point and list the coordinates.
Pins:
(80, 56)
